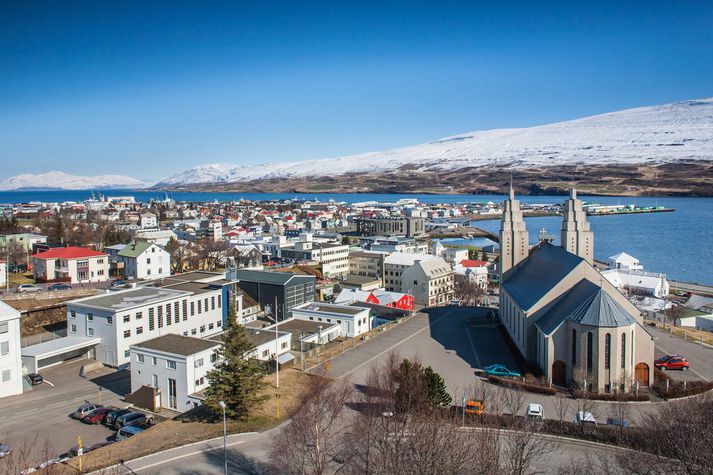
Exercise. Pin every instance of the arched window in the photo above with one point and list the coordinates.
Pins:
(607, 351)
(574, 348)
(590, 351)
(623, 350)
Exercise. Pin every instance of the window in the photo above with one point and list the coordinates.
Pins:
(623, 350)
(127, 318)
(139, 315)
(193, 308)
(6, 376)
(574, 348)
(72, 314)
(607, 351)
(127, 353)
(168, 314)
(284, 345)
(176, 314)
(154, 360)
(218, 324)
(170, 364)
(148, 261)
(219, 300)
(109, 320)
(4, 347)
(210, 326)
(185, 310)
(199, 362)
(160, 316)
(212, 303)
(127, 333)
(151, 320)
(90, 317)
(140, 358)
(213, 357)
(139, 330)
(193, 331)
(73, 328)
(199, 306)
(185, 333)
(205, 304)
(265, 353)
(590, 351)
(202, 328)
(90, 332)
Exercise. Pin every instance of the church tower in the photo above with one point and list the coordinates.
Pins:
(514, 240)
(577, 238)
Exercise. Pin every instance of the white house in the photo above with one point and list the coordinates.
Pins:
(353, 321)
(3, 274)
(473, 270)
(71, 264)
(145, 261)
(638, 282)
(270, 344)
(10, 361)
(700, 321)
(158, 236)
(129, 317)
(148, 221)
(454, 255)
(176, 365)
(624, 261)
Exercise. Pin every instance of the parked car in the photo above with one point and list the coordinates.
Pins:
(28, 288)
(113, 415)
(132, 419)
(83, 410)
(97, 415)
(4, 450)
(676, 362)
(116, 284)
(585, 417)
(501, 370)
(59, 287)
(535, 411)
(127, 431)
(474, 408)
(615, 421)
(665, 358)
(35, 379)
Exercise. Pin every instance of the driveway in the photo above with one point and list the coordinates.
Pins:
(700, 357)
(40, 416)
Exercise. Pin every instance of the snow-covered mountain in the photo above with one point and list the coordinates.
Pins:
(656, 134)
(63, 181)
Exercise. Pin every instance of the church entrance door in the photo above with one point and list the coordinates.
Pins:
(642, 374)
(559, 373)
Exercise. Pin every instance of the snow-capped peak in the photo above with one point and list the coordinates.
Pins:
(64, 181)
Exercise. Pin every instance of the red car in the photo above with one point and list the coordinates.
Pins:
(97, 415)
(673, 362)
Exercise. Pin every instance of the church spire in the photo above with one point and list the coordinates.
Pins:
(576, 236)
(514, 240)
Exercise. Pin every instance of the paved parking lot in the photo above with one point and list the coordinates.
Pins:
(700, 357)
(41, 416)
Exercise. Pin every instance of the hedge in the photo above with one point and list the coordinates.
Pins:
(512, 383)
(611, 396)
(677, 390)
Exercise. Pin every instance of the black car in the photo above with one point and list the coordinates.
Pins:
(35, 379)
(114, 415)
(59, 287)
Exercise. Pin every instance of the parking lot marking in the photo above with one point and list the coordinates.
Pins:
(189, 454)
(49, 383)
(472, 346)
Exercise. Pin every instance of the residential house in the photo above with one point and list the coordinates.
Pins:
(72, 264)
(474, 270)
(377, 297)
(144, 260)
(10, 361)
(353, 321)
(638, 282)
(624, 261)
(245, 257)
(148, 221)
(26, 240)
(429, 279)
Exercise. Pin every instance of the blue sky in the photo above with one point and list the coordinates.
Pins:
(148, 89)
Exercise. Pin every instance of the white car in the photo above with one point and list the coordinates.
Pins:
(535, 411)
(28, 288)
(585, 417)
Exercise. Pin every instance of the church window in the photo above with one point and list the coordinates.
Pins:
(607, 351)
(623, 350)
(590, 351)
(574, 348)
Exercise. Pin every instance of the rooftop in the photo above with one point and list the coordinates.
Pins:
(135, 248)
(72, 252)
(303, 327)
(195, 276)
(178, 344)
(266, 277)
(329, 307)
(407, 259)
(131, 298)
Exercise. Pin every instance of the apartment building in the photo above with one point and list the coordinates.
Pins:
(333, 257)
(353, 321)
(10, 361)
(429, 279)
(71, 264)
(367, 264)
(408, 226)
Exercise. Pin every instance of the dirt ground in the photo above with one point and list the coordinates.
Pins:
(174, 433)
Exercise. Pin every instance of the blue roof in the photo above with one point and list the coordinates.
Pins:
(543, 269)
(587, 304)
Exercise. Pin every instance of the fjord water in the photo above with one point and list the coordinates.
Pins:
(679, 244)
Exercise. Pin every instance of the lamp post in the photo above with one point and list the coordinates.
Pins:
(225, 438)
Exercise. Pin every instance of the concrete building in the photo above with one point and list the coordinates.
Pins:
(569, 321)
(270, 288)
(148, 221)
(352, 321)
(637, 282)
(576, 236)
(454, 256)
(269, 344)
(3, 274)
(71, 264)
(10, 360)
(26, 240)
(473, 270)
(367, 264)
(157, 236)
(624, 261)
(210, 229)
(332, 257)
(392, 244)
(144, 260)
(176, 366)
(408, 226)
(429, 279)
(514, 239)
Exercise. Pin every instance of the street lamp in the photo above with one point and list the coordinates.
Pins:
(225, 438)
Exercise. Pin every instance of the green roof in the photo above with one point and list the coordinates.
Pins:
(135, 249)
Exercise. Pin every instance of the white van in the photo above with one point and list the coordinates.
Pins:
(535, 411)
(585, 417)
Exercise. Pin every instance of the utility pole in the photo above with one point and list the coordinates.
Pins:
(277, 351)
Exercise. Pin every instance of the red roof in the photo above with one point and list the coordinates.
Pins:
(472, 263)
(72, 252)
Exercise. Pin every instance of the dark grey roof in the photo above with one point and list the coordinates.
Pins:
(544, 268)
(265, 277)
(178, 344)
(587, 304)
(121, 300)
(696, 302)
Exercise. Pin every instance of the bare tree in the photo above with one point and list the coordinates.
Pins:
(467, 291)
(562, 405)
(524, 446)
(311, 440)
(514, 400)
(497, 401)
(673, 315)
(621, 410)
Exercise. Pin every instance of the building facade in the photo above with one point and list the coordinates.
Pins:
(352, 321)
(10, 359)
(144, 260)
(276, 288)
(76, 265)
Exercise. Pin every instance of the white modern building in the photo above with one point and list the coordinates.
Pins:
(10, 361)
(269, 344)
(71, 264)
(158, 236)
(636, 282)
(148, 221)
(129, 317)
(3, 274)
(144, 261)
(624, 261)
(429, 279)
(353, 321)
(176, 366)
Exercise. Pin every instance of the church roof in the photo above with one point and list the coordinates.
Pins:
(587, 304)
(544, 268)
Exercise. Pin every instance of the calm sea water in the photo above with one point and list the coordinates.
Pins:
(679, 243)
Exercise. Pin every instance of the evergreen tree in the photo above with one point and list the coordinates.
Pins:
(237, 378)
(436, 389)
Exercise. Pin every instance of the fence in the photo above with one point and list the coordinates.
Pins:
(42, 337)
(75, 291)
